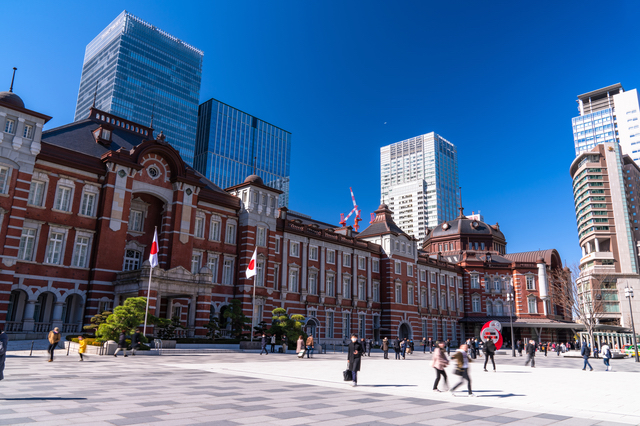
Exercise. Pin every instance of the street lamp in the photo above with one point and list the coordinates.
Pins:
(510, 299)
(628, 293)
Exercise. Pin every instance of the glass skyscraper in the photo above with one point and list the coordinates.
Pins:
(229, 139)
(141, 70)
(419, 182)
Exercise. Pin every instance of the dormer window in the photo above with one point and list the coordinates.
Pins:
(102, 135)
(106, 134)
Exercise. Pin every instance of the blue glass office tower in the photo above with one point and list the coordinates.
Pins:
(139, 70)
(229, 139)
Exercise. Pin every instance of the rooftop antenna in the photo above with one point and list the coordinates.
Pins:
(95, 95)
(461, 208)
(12, 78)
(153, 108)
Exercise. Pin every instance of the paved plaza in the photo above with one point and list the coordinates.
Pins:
(246, 388)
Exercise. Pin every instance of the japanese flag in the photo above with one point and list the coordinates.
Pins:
(153, 255)
(251, 269)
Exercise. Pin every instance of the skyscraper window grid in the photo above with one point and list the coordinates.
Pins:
(136, 70)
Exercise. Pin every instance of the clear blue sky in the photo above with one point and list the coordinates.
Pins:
(499, 79)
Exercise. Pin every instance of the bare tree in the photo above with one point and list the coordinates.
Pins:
(583, 295)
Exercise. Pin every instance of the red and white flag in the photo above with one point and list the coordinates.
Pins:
(153, 255)
(251, 269)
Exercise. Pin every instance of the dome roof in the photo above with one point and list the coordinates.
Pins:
(12, 99)
(464, 225)
(254, 179)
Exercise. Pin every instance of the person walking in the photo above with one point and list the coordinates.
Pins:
(122, 344)
(430, 345)
(385, 348)
(369, 346)
(531, 354)
(448, 346)
(82, 348)
(462, 368)
(520, 347)
(263, 345)
(606, 355)
(285, 343)
(403, 347)
(424, 345)
(397, 348)
(310, 347)
(411, 347)
(54, 338)
(489, 352)
(135, 342)
(545, 347)
(4, 344)
(300, 347)
(273, 343)
(439, 362)
(355, 353)
(586, 352)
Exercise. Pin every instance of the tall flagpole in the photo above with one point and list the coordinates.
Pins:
(253, 306)
(146, 312)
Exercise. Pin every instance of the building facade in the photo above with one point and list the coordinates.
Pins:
(419, 181)
(608, 115)
(232, 144)
(142, 74)
(605, 188)
(78, 209)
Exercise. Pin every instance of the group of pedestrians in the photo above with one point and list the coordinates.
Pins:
(440, 361)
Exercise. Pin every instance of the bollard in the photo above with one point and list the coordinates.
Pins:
(31, 352)
(68, 347)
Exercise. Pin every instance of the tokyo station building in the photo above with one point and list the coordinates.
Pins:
(79, 205)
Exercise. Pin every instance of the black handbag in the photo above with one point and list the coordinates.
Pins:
(458, 371)
(347, 376)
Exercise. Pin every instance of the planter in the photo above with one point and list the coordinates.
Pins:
(250, 345)
(166, 344)
(110, 348)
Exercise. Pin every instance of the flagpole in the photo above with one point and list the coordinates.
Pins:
(146, 312)
(253, 306)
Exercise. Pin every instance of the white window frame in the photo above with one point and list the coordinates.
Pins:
(230, 232)
(531, 282)
(198, 226)
(10, 126)
(398, 295)
(227, 270)
(362, 290)
(136, 220)
(34, 231)
(489, 308)
(129, 260)
(60, 204)
(410, 295)
(42, 180)
(260, 271)
(409, 270)
(294, 249)
(330, 285)
(530, 300)
(294, 280)
(376, 291)
(261, 236)
(346, 287)
(48, 259)
(78, 261)
(313, 252)
(375, 265)
(330, 324)
(398, 268)
(27, 133)
(331, 257)
(362, 263)
(313, 282)
(278, 242)
(474, 281)
(346, 260)
(423, 299)
(196, 261)
(476, 304)
(89, 191)
(213, 260)
(215, 227)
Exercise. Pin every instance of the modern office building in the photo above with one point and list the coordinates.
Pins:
(419, 182)
(606, 185)
(144, 74)
(231, 144)
(608, 115)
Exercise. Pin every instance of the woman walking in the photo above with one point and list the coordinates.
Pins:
(300, 347)
(354, 355)
(462, 368)
(439, 362)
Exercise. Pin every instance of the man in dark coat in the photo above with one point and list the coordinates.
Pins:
(135, 342)
(396, 347)
(122, 344)
(369, 346)
(4, 343)
(489, 352)
(448, 346)
(354, 354)
(586, 352)
(531, 354)
(385, 347)
(263, 345)
(520, 347)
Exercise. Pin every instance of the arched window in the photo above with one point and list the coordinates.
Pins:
(132, 260)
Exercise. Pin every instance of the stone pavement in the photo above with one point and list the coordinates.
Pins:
(238, 389)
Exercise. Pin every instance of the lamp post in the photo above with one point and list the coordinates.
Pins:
(510, 299)
(628, 293)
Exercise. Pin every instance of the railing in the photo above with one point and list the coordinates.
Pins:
(13, 326)
(70, 328)
(42, 327)
(182, 333)
(225, 334)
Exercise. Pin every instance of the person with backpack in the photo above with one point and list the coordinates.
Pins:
(489, 352)
(606, 355)
(586, 352)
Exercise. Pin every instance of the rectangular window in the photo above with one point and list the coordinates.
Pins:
(346, 288)
(54, 248)
(198, 229)
(10, 126)
(212, 264)
(423, 276)
(28, 131)
(496, 284)
(313, 282)
(361, 325)
(294, 250)
(214, 233)
(410, 270)
(531, 283)
(475, 282)
(36, 193)
(533, 305)
(262, 237)
(27, 244)
(63, 199)
(81, 252)
(475, 302)
(331, 256)
(230, 237)
(346, 324)
(330, 284)
(4, 178)
(135, 220)
(434, 325)
(398, 294)
(277, 245)
(361, 290)
(433, 278)
(88, 203)
(410, 295)
(487, 284)
(313, 253)
(346, 259)
(375, 266)
(361, 263)
(196, 261)
(423, 299)
(398, 267)
(131, 260)
(260, 273)
(330, 325)
(376, 292)
(293, 280)
(276, 276)
(227, 272)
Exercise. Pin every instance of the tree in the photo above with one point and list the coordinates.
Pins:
(289, 325)
(127, 317)
(166, 327)
(262, 327)
(213, 328)
(584, 294)
(96, 320)
(239, 322)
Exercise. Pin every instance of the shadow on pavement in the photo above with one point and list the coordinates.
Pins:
(42, 399)
(386, 386)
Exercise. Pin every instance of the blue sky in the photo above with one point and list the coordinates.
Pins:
(498, 79)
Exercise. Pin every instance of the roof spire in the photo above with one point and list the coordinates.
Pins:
(95, 95)
(461, 208)
(153, 108)
(12, 78)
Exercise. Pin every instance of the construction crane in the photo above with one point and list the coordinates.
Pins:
(357, 219)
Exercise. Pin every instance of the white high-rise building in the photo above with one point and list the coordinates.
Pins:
(419, 182)
(608, 115)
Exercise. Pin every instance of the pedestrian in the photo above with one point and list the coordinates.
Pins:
(300, 347)
(439, 362)
(397, 347)
(411, 347)
(263, 345)
(430, 345)
(546, 348)
(122, 344)
(596, 351)
(472, 348)
(385, 347)
(424, 345)
(4, 344)
(355, 352)
(586, 352)
(531, 354)
(310, 347)
(135, 342)
(54, 338)
(285, 343)
(606, 355)
(448, 346)
(563, 348)
(82, 348)
(489, 352)
(273, 343)
(403, 347)
(520, 347)
(369, 346)
(462, 368)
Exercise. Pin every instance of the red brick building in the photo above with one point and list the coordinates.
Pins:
(78, 209)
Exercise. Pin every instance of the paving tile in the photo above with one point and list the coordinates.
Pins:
(16, 420)
(500, 419)
(153, 403)
(133, 421)
(463, 417)
(144, 413)
(552, 416)
(288, 415)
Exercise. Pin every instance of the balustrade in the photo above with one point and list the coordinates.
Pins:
(42, 327)
(13, 326)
